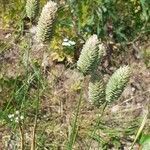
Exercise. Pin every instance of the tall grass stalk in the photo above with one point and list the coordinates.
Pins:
(74, 129)
(145, 116)
(22, 136)
(98, 123)
(36, 115)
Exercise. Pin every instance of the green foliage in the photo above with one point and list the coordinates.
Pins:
(32, 7)
(46, 20)
(145, 142)
(8, 11)
(101, 17)
(73, 131)
(96, 90)
(116, 83)
(87, 17)
(90, 56)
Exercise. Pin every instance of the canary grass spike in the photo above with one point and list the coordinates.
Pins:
(32, 7)
(90, 55)
(116, 83)
(96, 90)
(46, 21)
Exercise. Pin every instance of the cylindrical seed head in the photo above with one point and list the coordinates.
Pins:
(117, 83)
(32, 7)
(90, 56)
(96, 90)
(46, 21)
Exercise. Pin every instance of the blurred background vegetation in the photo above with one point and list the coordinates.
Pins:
(124, 19)
(114, 21)
(123, 25)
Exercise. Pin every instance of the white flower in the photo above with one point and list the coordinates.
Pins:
(65, 40)
(72, 43)
(21, 117)
(17, 119)
(17, 112)
(66, 44)
(10, 116)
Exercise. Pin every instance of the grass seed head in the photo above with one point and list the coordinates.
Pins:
(96, 90)
(32, 7)
(117, 83)
(90, 56)
(46, 21)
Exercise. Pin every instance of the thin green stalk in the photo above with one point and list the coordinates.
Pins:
(73, 134)
(22, 136)
(33, 145)
(140, 128)
(98, 122)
